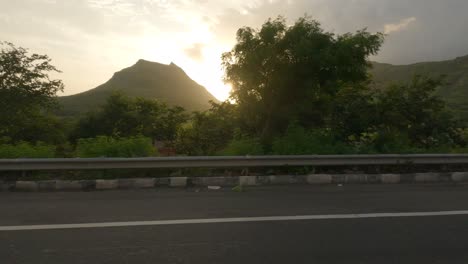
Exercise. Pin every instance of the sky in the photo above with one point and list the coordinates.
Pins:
(89, 40)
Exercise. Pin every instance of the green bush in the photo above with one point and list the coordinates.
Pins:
(243, 146)
(115, 147)
(382, 142)
(26, 150)
(463, 132)
(299, 141)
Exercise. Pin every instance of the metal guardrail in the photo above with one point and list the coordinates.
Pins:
(228, 162)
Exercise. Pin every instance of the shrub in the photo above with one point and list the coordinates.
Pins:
(26, 150)
(299, 141)
(115, 147)
(243, 146)
(463, 132)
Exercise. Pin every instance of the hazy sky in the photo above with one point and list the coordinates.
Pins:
(89, 40)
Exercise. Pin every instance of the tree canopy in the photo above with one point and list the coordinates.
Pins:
(210, 131)
(281, 73)
(296, 90)
(124, 116)
(27, 93)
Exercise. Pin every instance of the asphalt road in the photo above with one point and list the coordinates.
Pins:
(354, 239)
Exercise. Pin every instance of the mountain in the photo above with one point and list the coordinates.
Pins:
(455, 92)
(146, 79)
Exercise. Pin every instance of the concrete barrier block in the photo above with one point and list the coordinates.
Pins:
(299, 179)
(127, 183)
(356, 178)
(46, 185)
(373, 178)
(390, 178)
(407, 177)
(445, 177)
(88, 185)
(319, 179)
(107, 184)
(68, 185)
(338, 178)
(145, 183)
(197, 181)
(281, 179)
(426, 177)
(229, 181)
(139, 183)
(178, 181)
(215, 181)
(27, 186)
(6, 186)
(248, 180)
(162, 181)
(460, 177)
(261, 180)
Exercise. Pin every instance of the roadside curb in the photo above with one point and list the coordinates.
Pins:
(230, 181)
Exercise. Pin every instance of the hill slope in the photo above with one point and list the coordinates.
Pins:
(455, 92)
(167, 83)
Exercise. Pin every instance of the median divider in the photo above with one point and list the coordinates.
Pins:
(390, 178)
(107, 184)
(231, 181)
(459, 177)
(178, 182)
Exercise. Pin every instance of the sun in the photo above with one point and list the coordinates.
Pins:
(211, 79)
(208, 72)
(206, 69)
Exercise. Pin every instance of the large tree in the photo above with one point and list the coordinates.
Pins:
(281, 73)
(27, 94)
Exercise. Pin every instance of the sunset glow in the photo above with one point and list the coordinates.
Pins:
(89, 40)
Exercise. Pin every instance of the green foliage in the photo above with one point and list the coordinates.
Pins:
(243, 146)
(26, 150)
(414, 111)
(103, 146)
(123, 116)
(297, 89)
(401, 118)
(353, 111)
(27, 95)
(279, 72)
(39, 127)
(299, 141)
(382, 142)
(454, 90)
(463, 133)
(209, 131)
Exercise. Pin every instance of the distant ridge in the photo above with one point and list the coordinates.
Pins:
(152, 80)
(455, 92)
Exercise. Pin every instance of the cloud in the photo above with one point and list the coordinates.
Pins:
(195, 51)
(402, 25)
(112, 34)
(427, 29)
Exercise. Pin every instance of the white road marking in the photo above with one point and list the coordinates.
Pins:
(230, 220)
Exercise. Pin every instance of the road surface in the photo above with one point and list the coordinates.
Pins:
(289, 224)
